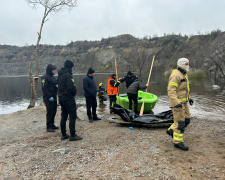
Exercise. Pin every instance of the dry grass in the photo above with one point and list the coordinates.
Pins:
(193, 73)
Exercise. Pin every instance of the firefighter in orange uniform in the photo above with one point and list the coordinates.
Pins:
(178, 92)
(112, 89)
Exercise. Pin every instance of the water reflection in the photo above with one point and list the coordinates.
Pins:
(15, 93)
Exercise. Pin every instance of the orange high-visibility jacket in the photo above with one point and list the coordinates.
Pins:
(112, 90)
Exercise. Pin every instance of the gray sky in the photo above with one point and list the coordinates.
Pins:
(97, 19)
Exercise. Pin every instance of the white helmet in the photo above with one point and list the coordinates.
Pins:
(182, 62)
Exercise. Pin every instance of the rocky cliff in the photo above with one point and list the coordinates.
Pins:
(131, 53)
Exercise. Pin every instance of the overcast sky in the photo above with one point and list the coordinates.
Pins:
(97, 19)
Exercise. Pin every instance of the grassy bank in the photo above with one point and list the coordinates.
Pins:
(193, 73)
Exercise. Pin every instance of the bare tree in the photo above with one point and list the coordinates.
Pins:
(141, 60)
(215, 53)
(50, 6)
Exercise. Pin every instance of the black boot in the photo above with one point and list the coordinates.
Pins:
(65, 136)
(75, 138)
(181, 146)
(90, 120)
(96, 118)
(50, 129)
(55, 127)
(170, 132)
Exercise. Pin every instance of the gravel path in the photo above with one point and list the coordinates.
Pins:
(108, 150)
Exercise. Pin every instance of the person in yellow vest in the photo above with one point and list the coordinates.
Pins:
(179, 96)
(112, 89)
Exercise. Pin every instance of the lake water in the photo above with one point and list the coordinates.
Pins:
(208, 102)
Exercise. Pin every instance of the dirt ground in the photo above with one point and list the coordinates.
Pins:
(108, 150)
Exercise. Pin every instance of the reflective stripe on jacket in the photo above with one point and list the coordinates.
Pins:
(178, 88)
(112, 90)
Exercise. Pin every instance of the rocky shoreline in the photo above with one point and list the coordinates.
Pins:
(108, 150)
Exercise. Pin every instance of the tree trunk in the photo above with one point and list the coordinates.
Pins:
(34, 80)
(32, 99)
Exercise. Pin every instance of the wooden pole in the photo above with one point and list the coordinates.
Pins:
(117, 80)
(143, 105)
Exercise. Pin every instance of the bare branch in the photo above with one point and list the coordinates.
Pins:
(219, 66)
(220, 58)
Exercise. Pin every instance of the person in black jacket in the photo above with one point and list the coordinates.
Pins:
(129, 79)
(90, 92)
(49, 88)
(132, 93)
(67, 91)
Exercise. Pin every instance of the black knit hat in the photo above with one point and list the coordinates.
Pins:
(68, 64)
(113, 76)
(129, 73)
(90, 71)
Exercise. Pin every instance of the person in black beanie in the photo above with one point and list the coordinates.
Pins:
(66, 92)
(90, 92)
(49, 88)
(129, 79)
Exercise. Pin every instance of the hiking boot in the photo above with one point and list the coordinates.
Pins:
(75, 138)
(90, 120)
(50, 129)
(181, 146)
(96, 118)
(65, 136)
(55, 127)
(170, 132)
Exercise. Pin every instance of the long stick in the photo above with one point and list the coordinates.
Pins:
(143, 105)
(117, 80)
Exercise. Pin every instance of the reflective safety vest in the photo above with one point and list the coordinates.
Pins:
(178, 88)
(112, 90)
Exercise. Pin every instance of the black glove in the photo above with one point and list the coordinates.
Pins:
(191, 101)
(178, 106)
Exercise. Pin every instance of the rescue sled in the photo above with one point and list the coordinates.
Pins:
(129, 117)
(150, 101)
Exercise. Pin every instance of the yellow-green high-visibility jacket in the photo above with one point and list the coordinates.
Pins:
(178, 88)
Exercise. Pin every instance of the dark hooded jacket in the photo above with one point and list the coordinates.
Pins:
(49, 83)
(128, 80)
(66, 82)
(89, 86)
(135, 86)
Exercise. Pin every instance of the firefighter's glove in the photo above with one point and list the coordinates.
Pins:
(51, 99)
(178, 106)
(191, 102)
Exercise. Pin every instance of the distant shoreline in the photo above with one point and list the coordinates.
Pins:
(2, 76)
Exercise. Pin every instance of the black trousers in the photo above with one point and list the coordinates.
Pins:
(91, 105)
(51, 108)
(68, 107)
(112, 99)
(133, 97)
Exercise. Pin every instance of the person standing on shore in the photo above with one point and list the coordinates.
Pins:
(179, 96)
(112, 89)
(90, 93)
(49, 89)
(67, 91)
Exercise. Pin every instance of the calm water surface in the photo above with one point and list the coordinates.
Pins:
(208, 102)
